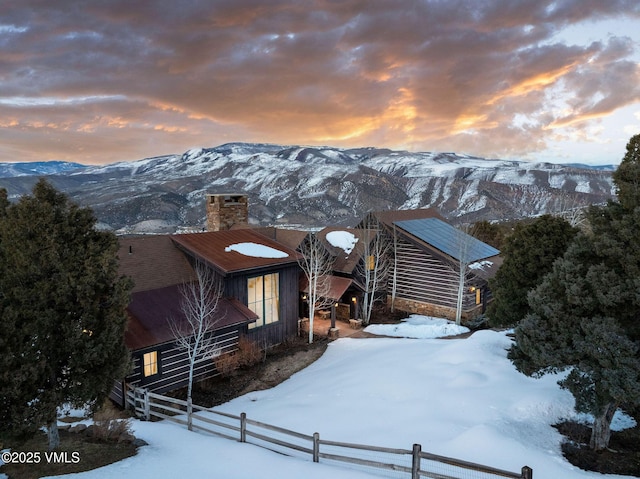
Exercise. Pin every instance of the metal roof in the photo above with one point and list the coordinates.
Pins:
(150, 313)
(338, 285)
(213, 248)
(451, 241)
(388, 217)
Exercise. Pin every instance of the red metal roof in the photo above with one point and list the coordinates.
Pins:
(337, 287)
(150, 312)
(212, 248)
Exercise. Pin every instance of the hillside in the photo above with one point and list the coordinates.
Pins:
(318, 186)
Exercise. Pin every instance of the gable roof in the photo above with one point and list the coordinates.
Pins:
(447, 239)
(346, 262)
(291, 238)
(213, 248)
(338, 285)
(150, 312)
(153, 262)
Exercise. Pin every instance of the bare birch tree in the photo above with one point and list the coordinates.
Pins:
(462, 247)
(376, 266)
(317, 265)
(573, 211)
(193, 332)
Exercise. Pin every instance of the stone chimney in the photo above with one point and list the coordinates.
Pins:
(226, 210)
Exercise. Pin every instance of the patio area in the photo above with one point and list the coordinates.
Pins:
(322, 325)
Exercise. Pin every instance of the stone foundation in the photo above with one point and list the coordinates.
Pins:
(429, 309)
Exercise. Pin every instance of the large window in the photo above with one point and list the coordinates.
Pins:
(150, 363)
(264, 298)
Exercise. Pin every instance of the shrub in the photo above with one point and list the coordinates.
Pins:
(250, 353)
(247, 355)
(109, 425)
(227, 364)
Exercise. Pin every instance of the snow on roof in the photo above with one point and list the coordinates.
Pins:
(343, 240)
(256, 250)
(480, 264)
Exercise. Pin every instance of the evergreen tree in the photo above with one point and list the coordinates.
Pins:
(528, 255)
(584, 320)
(62, 311)
(491, 233)
(627, 175)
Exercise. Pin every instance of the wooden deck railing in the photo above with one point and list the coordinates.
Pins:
(404, 463)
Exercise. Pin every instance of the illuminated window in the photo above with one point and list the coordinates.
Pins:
(478, 296)
(264, 298)
(371, 262)
(150, 363)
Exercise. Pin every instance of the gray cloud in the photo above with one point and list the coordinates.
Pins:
(159, 77)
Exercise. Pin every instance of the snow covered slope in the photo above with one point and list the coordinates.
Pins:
(322, 185)
(39, 168)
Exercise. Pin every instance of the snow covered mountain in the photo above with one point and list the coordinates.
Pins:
(323, 185)
(9, 170)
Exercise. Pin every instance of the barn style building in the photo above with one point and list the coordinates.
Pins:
(429, 253)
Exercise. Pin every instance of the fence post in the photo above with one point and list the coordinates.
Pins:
(127, 400)
(316, 447)
(189, 413)
(147, 404)
(415, 462)
(243, 427)
(527, 472)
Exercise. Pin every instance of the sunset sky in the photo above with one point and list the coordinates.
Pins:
(101, 81)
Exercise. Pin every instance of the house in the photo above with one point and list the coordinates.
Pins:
(259, 298)
(257, 271)
(429, 253)
(352, 253)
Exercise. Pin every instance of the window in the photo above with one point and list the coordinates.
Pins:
(150, 364)
(371, 262)
(478, 296)
(264, 298)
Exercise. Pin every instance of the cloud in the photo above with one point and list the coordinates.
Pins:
(165, 75)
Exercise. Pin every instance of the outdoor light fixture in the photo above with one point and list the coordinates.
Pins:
(304, 297)
(353, 299)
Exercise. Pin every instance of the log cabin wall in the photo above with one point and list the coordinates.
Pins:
(426, 285)
(173, 364)
(422, 277)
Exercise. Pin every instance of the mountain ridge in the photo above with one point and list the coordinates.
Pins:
(317, 186)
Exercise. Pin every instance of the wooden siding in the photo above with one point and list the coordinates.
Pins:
(117, 393)
(424, 278)
(173, 365)
(287, 327)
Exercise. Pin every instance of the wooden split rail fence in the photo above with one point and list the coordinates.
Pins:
(402, 463)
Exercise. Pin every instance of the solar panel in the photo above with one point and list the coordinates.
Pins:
(449, 240)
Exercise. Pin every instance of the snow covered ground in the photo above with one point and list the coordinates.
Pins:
(456, 397)
(418, 327)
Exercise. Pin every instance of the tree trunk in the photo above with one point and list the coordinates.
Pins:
(461, 279)
(52, 434)
(601, 430)
(190, 380)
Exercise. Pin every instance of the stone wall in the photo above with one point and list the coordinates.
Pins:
(428, 309)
